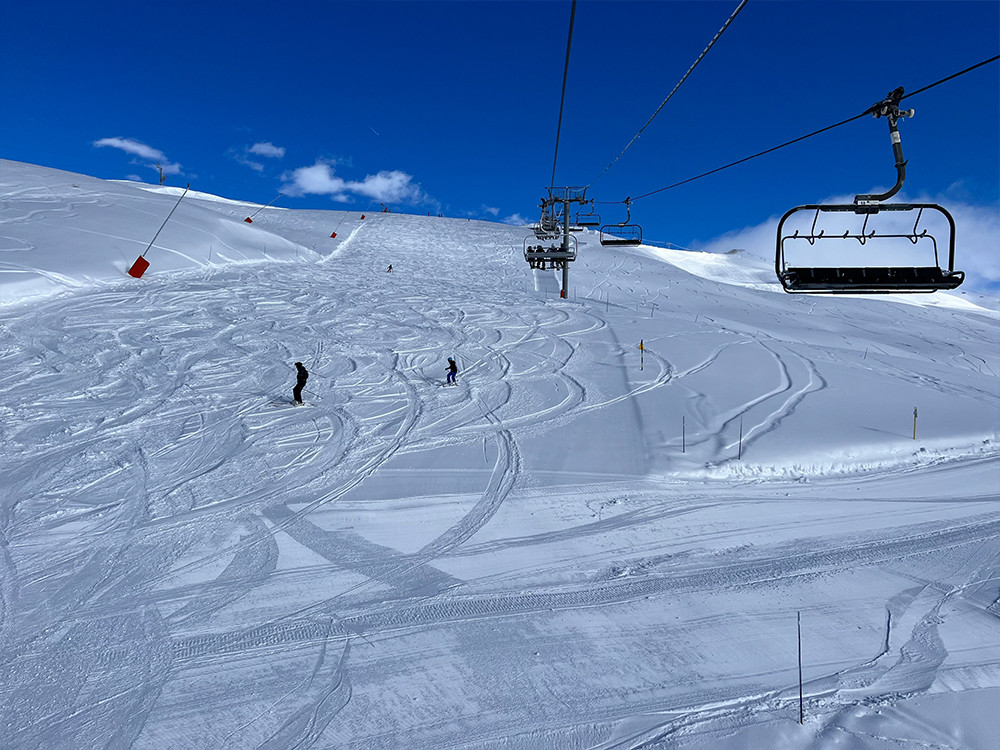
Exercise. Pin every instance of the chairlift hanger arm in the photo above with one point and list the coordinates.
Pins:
(889, 109)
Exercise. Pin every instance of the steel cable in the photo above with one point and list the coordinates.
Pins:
(562, 100)
(808, 135)
(679, 83)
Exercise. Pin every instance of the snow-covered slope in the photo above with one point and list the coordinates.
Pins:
(60, 230)
(581, 545)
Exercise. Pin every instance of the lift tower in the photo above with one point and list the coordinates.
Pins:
(548, 229)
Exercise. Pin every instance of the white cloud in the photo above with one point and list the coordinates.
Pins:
(386, 186)
(242, 154)
(268, 149)
(132, 146)
(241, 158)
(515, 220)
(315, 180)
(977, 229)
(757, 240)
(151, 156)
(168, 167)
(491, 210)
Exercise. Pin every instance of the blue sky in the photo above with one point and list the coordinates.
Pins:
(452, 107)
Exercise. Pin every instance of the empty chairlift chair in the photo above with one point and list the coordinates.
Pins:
(588, 218)
(911, 259)
(925, 271)
(624, 234)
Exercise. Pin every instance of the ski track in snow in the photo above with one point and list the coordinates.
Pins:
(188, 560)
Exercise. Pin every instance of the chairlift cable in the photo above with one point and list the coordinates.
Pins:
(810, 135)
(562, 100)
(954, 75)
(754, 156)
(679, 83)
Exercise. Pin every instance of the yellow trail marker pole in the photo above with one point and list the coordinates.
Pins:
(642, 354)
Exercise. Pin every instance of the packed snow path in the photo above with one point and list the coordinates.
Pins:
(530, 559)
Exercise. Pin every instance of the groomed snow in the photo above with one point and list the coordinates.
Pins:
(580, 546)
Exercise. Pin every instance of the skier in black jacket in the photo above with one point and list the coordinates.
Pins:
(300, 382)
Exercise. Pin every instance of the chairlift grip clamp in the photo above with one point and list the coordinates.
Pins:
(889, 107)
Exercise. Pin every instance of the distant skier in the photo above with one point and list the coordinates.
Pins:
(389, 269)
(452, 371)
(300, 382)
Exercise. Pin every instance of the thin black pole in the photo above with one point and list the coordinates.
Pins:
(263, 207)
(740, 454)
(165, 221)
(683, 436)
(798, 621)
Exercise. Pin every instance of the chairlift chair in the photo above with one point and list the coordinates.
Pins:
(548, 226)
(549, 221)
(805, 278)
(624, 234)
(552, 257)
(588, 219)
(798, 278)
(543, 234)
